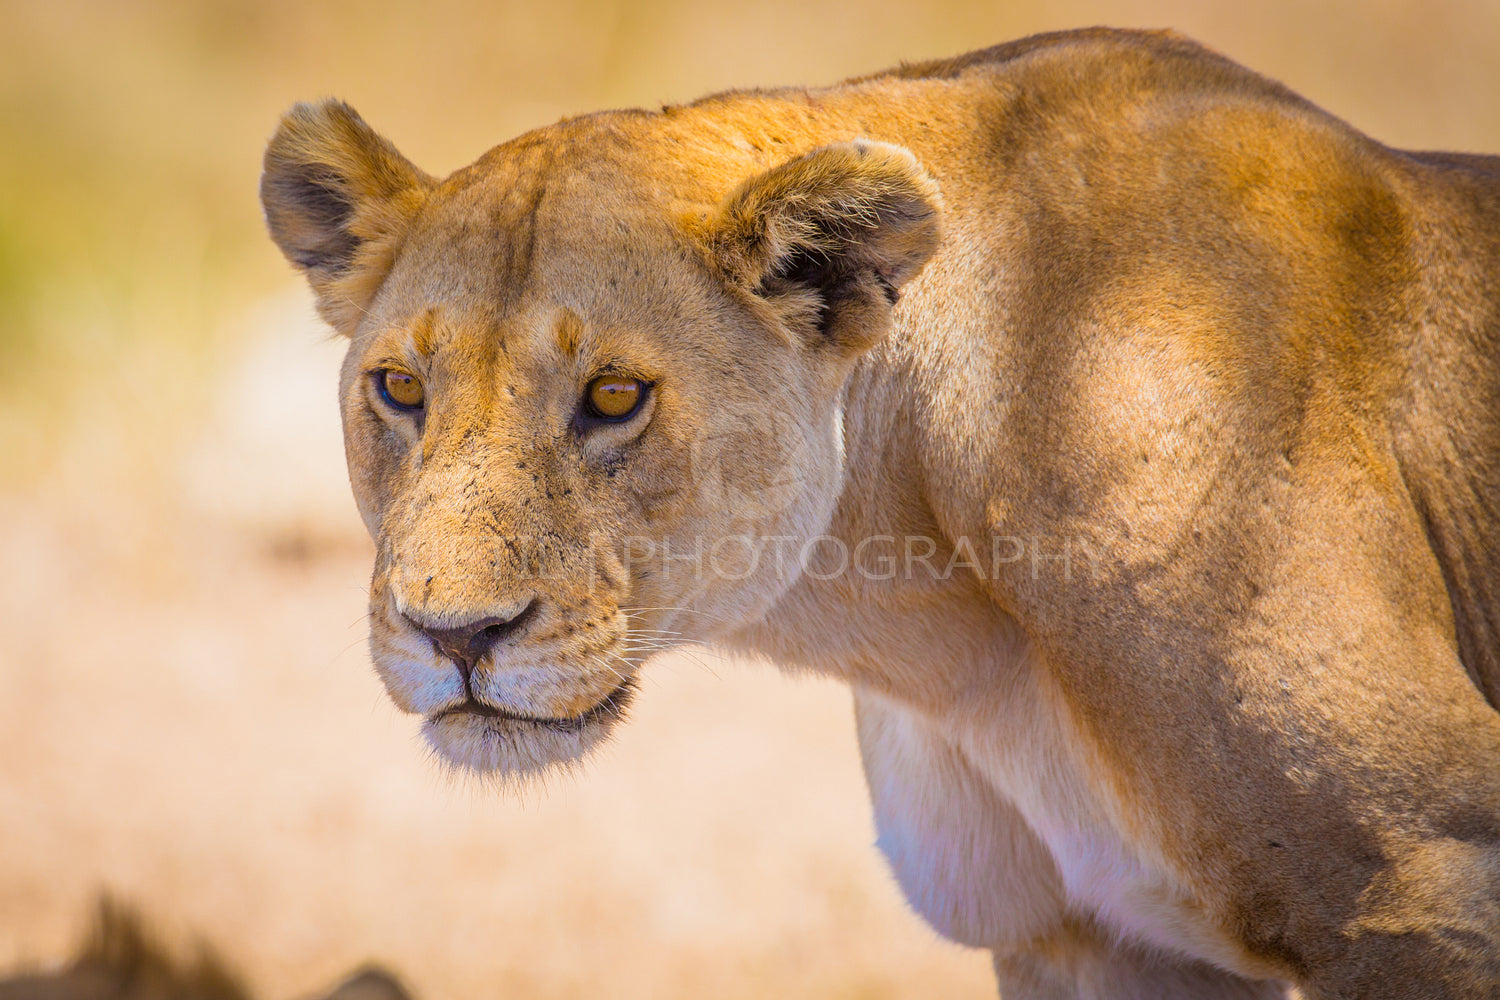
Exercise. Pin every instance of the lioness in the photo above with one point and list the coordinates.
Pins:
(1121, 427)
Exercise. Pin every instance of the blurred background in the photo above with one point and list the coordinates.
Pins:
(187, 714)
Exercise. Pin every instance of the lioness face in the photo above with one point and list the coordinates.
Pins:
(569, 540)
(583, 423)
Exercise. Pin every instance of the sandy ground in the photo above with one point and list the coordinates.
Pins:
(188, 719)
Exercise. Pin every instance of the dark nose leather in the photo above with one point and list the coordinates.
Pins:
(467, 644)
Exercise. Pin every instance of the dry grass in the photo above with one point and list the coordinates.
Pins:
(187, 716)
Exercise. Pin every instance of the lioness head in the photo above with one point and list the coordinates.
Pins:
(588, 378)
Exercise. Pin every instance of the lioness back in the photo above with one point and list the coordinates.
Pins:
(1119, 425)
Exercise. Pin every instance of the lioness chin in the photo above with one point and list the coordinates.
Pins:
(1121, 427)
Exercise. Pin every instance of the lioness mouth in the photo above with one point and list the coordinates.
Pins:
(612, 706)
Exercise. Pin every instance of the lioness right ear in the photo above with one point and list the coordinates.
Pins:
(338, 200)
(828, 239)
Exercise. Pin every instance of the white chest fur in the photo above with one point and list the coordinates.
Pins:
(996, 822)
(998, 837)
(999, 834)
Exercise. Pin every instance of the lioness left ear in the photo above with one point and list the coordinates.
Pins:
(830, 237)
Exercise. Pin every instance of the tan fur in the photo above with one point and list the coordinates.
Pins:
(1181, 444)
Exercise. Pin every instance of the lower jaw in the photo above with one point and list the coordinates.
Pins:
(502, 746)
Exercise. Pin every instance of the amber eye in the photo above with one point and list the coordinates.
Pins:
(614, 397)
(400, 389)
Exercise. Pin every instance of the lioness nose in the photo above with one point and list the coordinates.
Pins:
(468, 643)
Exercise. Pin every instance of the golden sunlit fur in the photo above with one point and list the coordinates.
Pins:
(1123, 429)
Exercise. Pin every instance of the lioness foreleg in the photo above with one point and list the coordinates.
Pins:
(1078, 964)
